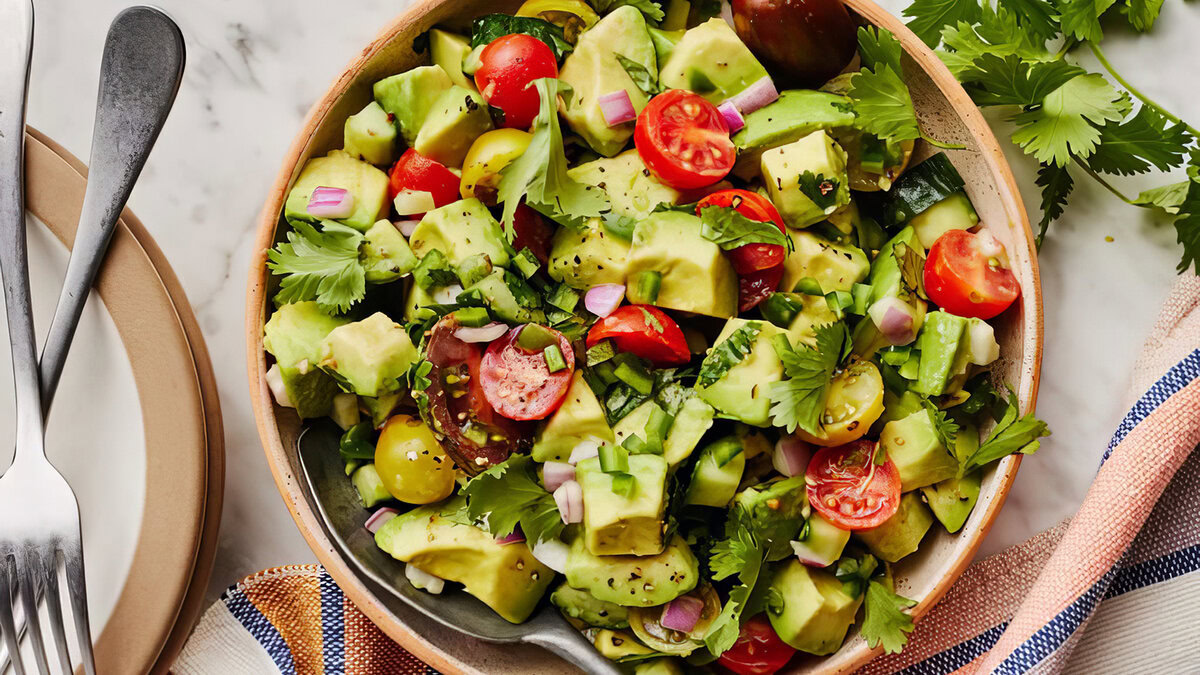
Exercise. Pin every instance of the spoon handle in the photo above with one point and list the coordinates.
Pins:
(551, 631)
(140, 74)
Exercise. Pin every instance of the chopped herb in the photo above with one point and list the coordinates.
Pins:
(728, 353)
(507, 495)
(799, 400)
(1012, 434)
(643, 78)
(321, 265)
(821, 190)
(729, 229)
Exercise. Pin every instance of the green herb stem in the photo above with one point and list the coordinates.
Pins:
(941, 144)
(1146, 100)
(1108, 186)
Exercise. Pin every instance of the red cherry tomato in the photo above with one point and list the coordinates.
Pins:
(518, 383)
(506, 67)
(683, 141)
(751, 257)
(645, 331)
(967, 274)
(755, 287)
(416, 172)
(758, 650)
(849, 489)
(531, 231)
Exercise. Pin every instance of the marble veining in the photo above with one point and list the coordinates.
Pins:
(254, 68)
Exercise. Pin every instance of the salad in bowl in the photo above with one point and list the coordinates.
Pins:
(652, 315)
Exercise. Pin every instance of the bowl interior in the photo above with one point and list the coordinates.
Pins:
(945, 112)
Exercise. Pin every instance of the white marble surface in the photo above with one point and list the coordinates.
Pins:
(255, 66)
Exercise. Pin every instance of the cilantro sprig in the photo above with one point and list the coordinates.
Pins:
(884, 619)
(729, 229)
(799, 400)
(507, 495)
(321, 265)
(1013, 433)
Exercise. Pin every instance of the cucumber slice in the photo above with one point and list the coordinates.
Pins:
(921, 187)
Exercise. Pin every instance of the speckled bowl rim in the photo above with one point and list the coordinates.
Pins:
(1026, 317)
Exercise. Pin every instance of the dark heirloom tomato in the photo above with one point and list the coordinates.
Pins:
(506, 67)
(758, 650)
(967, 274)
(474, 436)
(755, 287)
(531, 231)
(518, 382)
(847, 487)
(802, 42)
(644, 331)
(682, 139)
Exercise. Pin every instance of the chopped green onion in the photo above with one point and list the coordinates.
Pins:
(838, 302)
(606, 371)
(564, 297)
(535, 338)
(636, 446)
(622, 484)
(473, 269)
(645, 289)
(808, 286)
(614, 459)
(472, 297)
(600, 352)
(861, 293)
(781, 308)
(527, 263)
(554, 358)
(895, 356)
(473, 316)
(634, 374)
(656, 429)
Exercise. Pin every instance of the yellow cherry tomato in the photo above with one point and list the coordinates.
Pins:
(573, 16)
(489, 153)
(411, 463)
(855, 402)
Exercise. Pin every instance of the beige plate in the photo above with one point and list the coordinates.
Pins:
(946, 113)
(164, 591)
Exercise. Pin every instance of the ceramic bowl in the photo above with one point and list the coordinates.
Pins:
(946, 113)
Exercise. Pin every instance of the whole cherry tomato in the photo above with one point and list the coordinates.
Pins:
(645, 331)
(847, 487)
(518, 382)
(967, 274)
(751, 257)
(421, 174)
(758, 650)
(682, 139)
(506, 67)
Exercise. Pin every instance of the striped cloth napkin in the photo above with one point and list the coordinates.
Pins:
(1114, 590)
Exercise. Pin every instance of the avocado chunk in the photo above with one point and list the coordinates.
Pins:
(952, 213)
(816, 612)
(506, 577)
(368, 357)
(293, 336)
(579, 604)
(339, 169)
(633, 580)
(814, 312)
(631, 188)
(386, 254)
(461, 230)
(620, 645)
(416, 299)
(944, 353)
(775, 511)
(717, 473)
(508, 298)
(796, 114)
(697, 277)
(806, 179)
(913, 446)
(381, 407)
(370, 136)
(693, 419)
(630, 524)
(448, 50)
(369, 485)
(588, 257)
(823, 539)
(409, 96)
(712, 61)
(741, 393)
(953, 499)
(593, 71)
(579, 418)
(664, 665)
(836, 267)
(885, 277)
(457, 118)
(899, 535)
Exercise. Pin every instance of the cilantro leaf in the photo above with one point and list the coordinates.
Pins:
(1063, 125)
(1142, 13)
(643, 78)
(946, 428)
(1080, 19)
(1011, 80)
(929, 17)
(729, 229)
(998, 32)
(1012, 434)
(1038, 17)
(507, 495)
(651, 9)
(855, 573)
(728, 354)
(487, 28)
(539, 175)
(1056, 184)
(1138, 143)
(821, 190)
(1168, 198)
(1187, 227)
(881, 101)
(879, 46)
(912, 266)
(799, 400)
(739, 554)
(884, 621)
(321, 265)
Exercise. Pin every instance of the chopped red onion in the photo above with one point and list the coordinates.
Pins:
(617, 108)
(895, 319)
(791, 456)
(552, 553)
(410, 202)
(982, 347)
(756, 95)
(554, 474)
(604, 299)
(380, 517)
(808, 556)
(423, 580)
(514, 537)
(733, 119)
(569, 497)
(585, 450)
(330, 202)
(275, 383)
(407, 227)
(682, 613)
(486, 333)
(446, 295)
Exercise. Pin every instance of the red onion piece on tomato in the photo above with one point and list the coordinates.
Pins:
(491, 331)
(379, 518)
(554, 474)
(733, 119)
(791, 456)
(617, 108)
(569, 498)
(756, 95)
(604, 299)
(330, 202)
(682, 613)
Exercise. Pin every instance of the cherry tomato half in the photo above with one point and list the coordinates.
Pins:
(682, 139)
(849, 489)
(758, 650)
(531, 231)
(645, 331)
(414, 171)
(518, 383)
(755, 287)
(967, 274)
(751, 257)
(506, 67)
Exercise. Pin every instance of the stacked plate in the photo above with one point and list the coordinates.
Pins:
(136, 427)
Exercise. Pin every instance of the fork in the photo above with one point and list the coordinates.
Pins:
(140, 75)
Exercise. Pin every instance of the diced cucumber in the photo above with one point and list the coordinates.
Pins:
(717, 474)
(921, 187)
(370, 487)
(952, 213)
